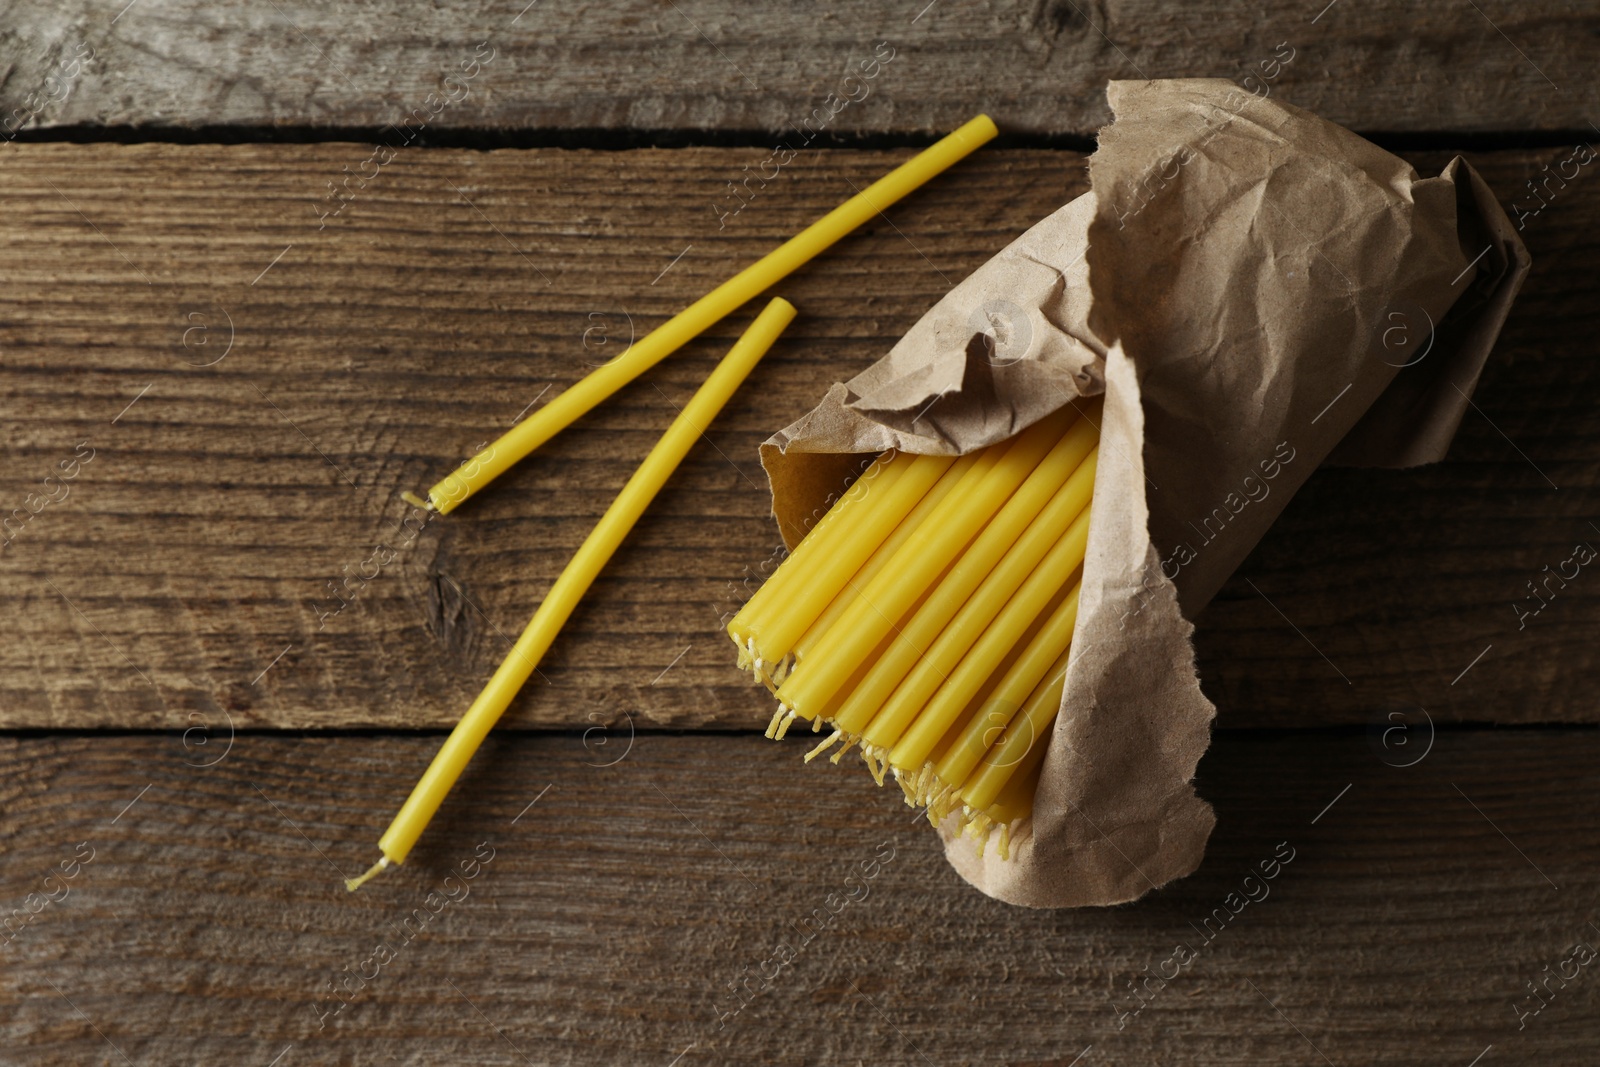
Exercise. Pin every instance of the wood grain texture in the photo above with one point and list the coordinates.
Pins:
(1038, 66)
(257, 392)
(616, 911)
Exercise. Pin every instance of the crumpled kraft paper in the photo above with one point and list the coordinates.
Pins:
(1255, 291)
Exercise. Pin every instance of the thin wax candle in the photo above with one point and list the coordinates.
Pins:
(880, 558)
(691, 322)
(575, 580)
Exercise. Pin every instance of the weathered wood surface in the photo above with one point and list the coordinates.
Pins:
(184, 577)
(1039, 66)
(616, 911)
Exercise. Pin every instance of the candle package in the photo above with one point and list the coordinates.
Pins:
(1000, 530)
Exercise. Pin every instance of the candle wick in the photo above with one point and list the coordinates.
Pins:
(352, 884)
(827, 743)
(777, 720)
(416, 501)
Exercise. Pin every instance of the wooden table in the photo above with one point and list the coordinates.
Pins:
(207, 734)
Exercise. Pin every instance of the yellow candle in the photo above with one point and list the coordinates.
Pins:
(575, 580)
(829, 708)
(933, 707)
(837, 558)
(1005, 700)
(1037, 514)
(1016, 799)
(842, 557)
(999, 670)
(694, 320)
(941, 716)
(884, 471)
(1023, 742)
(880, 557)
(907, 676)
(843, 636)
(987, 485)
(929, 790)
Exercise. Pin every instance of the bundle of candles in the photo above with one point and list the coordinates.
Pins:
(927, 619)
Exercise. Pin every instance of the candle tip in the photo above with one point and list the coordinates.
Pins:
(416, 501)
(352, 884)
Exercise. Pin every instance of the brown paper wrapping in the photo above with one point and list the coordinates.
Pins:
(1255, 291)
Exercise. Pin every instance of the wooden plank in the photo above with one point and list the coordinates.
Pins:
(709, 66)
(186, 572)
(616, 911)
